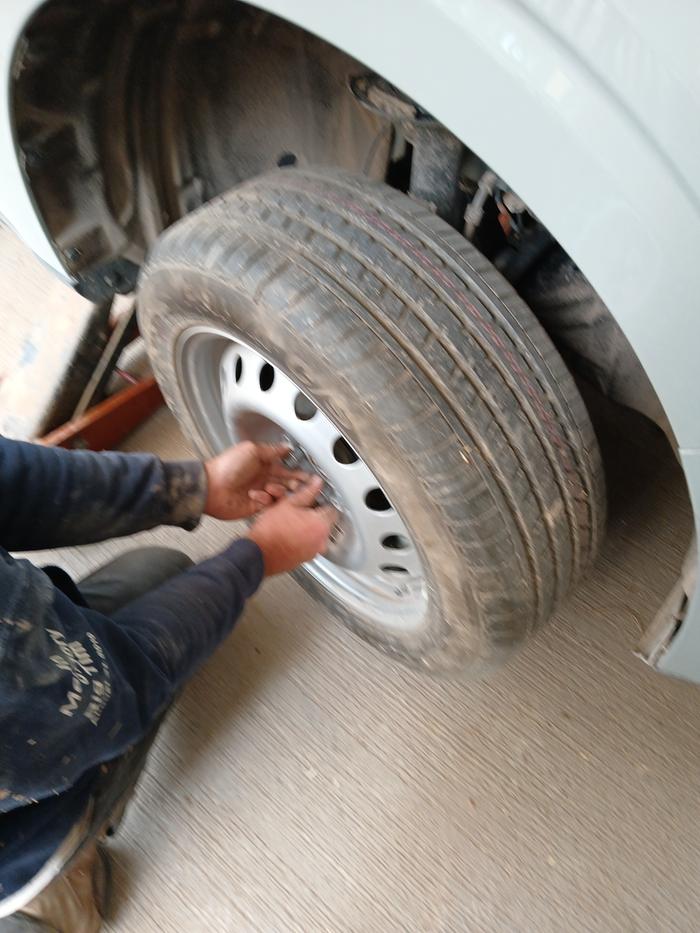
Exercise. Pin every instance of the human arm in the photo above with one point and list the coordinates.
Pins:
(50, 497)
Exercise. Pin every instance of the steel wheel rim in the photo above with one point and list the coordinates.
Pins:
(235, 393)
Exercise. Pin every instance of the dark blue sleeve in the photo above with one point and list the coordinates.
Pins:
(78, 688)
(50, 497)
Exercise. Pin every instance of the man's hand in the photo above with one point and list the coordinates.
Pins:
(292, 531)
(246, 478)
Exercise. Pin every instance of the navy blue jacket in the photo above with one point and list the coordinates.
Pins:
(76, 687)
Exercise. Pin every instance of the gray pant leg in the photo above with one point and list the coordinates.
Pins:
(130, 575)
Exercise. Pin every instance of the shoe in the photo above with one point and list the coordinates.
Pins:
(21, 923)
(75, 902)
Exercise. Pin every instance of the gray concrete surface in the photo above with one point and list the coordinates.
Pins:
(305, 783)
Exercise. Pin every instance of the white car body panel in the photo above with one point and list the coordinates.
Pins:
(589, 110)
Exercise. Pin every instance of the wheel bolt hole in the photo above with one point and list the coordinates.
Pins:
(238, 372)
(343, 452)
(396, 542)
(393, 568)
(377, 501)
(303, 408)
(267, 377)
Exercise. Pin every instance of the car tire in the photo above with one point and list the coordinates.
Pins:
(430, 367)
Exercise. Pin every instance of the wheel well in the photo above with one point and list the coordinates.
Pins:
(129, 114)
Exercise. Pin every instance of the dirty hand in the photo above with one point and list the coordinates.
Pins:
(292, 531)
(246, 478)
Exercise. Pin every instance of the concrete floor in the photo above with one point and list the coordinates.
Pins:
(305, 783)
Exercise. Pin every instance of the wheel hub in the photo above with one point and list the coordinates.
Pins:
(371, 563)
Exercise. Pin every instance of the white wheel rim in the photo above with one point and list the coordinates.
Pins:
(234, 393)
